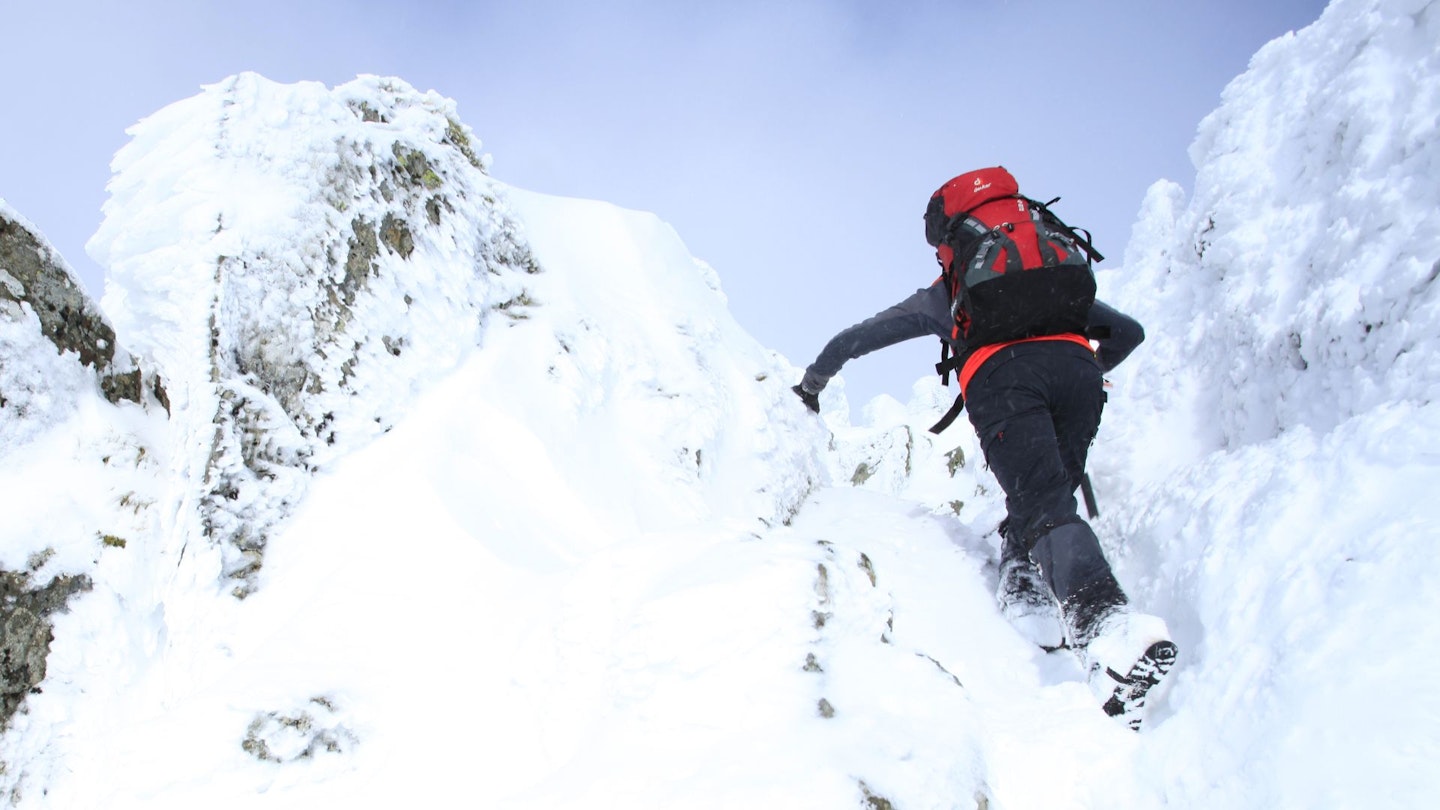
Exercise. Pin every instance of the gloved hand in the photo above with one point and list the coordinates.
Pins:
(812, 401)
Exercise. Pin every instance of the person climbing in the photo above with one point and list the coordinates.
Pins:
(1015, 304)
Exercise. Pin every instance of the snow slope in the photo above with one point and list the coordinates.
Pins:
(302, 263)
(594, 553)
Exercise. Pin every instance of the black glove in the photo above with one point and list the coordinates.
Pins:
(812, 401)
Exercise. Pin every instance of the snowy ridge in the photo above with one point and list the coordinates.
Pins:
(647, 373)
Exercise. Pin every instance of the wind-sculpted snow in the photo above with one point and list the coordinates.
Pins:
(1269, 454)
(1298, 284)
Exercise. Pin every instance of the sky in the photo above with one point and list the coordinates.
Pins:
(792, 146)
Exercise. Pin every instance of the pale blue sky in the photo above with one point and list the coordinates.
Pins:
(793, 145)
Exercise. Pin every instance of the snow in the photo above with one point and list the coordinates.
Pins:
(576, 544)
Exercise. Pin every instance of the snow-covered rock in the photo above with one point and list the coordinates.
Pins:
(59, 365)
(1272, 447)
(55, 342)
(300, 262)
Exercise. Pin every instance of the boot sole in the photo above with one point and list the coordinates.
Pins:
(1127, 702)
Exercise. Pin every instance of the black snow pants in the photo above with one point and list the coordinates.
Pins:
(1036, 408)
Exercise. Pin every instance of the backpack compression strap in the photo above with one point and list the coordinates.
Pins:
(1053, 221)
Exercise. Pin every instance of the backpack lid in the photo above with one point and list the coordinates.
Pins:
(970, 190)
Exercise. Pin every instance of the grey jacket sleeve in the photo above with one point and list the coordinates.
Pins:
(926, 312)
(1117, 334)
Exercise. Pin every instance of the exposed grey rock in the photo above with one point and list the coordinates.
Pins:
(301, 733)
(873, 800)
(34, 277)
(26, 632)
(37, 278)
(360, 261)
(395, 233)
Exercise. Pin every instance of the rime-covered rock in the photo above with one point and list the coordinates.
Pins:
(321, 256)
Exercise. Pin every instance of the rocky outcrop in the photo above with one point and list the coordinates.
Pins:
(335, 272)
(33, 278)
(26, 632)
(57, 352)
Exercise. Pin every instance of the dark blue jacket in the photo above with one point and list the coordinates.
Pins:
(927, 313)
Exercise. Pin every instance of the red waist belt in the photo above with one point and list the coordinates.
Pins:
(978, 358)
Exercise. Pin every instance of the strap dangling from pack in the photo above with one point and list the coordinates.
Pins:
(950, 415)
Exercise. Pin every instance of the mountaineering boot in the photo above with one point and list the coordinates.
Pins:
(1026, 602)
(1024, 596)
(1126, 658)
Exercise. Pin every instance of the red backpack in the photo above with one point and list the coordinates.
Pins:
(1012, 268)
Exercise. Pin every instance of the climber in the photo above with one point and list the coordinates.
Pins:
(1015, 304)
